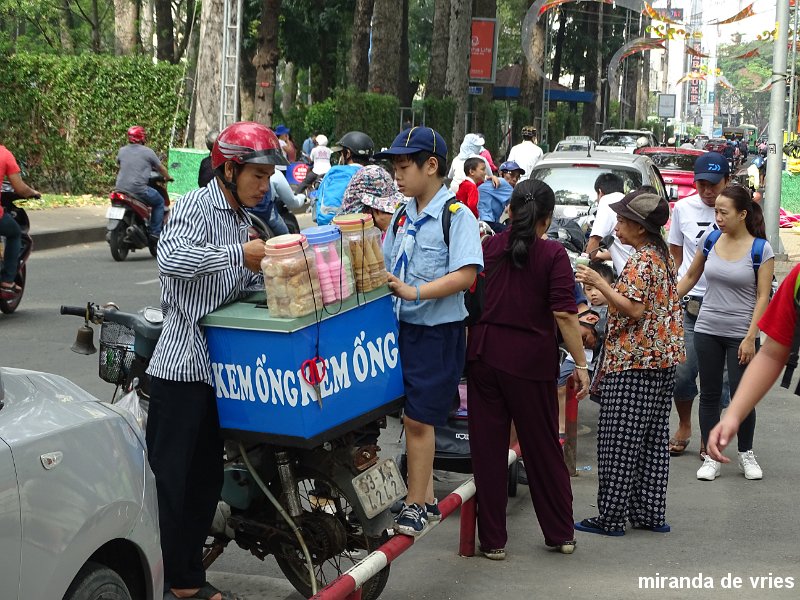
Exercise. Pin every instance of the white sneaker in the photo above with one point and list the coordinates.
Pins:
(710, 469)
(749, 466)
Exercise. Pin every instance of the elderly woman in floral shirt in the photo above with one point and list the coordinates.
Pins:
(644, 344)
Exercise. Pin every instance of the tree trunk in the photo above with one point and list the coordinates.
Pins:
(358, 67)
(441, 39)
(559, 49)
(66, 24)
(126, 16)
(165, 31)
(531, 84)
(95, 25)
(594, 61)
(405, 90)
(643, 91)
(209, 64)
(289, 89)
(384, 69)
(147, 26)
(266, 62)
(458, 64)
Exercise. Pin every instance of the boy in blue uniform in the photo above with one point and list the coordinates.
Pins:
(428, 275)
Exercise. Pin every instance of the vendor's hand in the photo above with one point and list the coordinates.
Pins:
(254, 251)
(584, 275)
(747, 349)
(402, 290)
(582, 375)
(720, 437)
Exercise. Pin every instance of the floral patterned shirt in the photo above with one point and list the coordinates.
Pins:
(655, 340)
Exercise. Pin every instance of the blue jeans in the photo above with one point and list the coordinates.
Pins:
(13, 235)
(156, 200)
(686, 373)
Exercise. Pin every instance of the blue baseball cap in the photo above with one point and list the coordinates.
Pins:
(711, 167)
(511, 165)
(282, 129)
(416, 139)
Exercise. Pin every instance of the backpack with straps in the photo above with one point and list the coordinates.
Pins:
(756, 255)
(473, 297)
(791, 363)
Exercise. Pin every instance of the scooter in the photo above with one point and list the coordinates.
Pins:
(9, 197)
(129, 220)
(310, 508)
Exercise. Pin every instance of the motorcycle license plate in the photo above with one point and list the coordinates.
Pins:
(379, 487)
(115, 212)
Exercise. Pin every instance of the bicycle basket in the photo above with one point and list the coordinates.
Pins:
(116, 352)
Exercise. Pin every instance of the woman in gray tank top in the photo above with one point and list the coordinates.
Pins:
(738, 265)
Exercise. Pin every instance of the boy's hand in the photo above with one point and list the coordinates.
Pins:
(402, 290)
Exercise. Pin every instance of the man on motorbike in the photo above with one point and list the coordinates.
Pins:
(204, 260)
(9, 227)
(136, 162)
(355, 151)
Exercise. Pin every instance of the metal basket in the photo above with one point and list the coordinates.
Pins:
(116, 352)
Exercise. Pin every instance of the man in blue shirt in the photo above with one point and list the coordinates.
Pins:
(493, 200)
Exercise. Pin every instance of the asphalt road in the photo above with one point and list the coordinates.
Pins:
(748, 529)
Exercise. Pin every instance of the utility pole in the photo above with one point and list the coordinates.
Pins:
(772, 201)
(791, 117)
(665, 74)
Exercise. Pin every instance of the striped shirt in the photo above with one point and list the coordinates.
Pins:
(201, 265)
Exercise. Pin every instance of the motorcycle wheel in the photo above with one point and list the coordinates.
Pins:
(119, 249)
(336, 509)
(9, 306)
(153, 247)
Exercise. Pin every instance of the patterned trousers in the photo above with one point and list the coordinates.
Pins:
(633, 447)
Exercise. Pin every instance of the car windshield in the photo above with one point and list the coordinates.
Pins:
(675, 162)
(574, 185)
(618, 139)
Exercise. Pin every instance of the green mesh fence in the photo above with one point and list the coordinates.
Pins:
(790, 193)
(184, 164)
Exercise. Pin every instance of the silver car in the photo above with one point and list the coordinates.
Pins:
(78, 512)
(571, 175)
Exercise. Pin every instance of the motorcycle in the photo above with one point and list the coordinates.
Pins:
(9, 197)
(129, 220)
(307, 507)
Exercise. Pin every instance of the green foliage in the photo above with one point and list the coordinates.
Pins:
(375, 114)
(439, 115)
(321, 117)
(420, 36)
(296, 121)
(520, 117)
(67, 116)
(488, 121)
(561, 123)
(746, 75)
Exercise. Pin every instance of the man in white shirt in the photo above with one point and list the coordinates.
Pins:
(526, 154)
(609, 188)
(692, 217)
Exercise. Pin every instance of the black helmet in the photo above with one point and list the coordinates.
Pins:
(211, 137)
(358, 142)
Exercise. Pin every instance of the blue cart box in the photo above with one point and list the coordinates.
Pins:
(256, 362)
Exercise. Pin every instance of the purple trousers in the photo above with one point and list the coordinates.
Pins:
(495, 399)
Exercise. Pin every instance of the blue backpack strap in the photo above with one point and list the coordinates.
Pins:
(757, 253)
(710, 241)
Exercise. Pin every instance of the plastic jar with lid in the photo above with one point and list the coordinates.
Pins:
(366, 250)
(290, 277)
(334, 263)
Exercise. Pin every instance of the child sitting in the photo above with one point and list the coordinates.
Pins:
(475, 170)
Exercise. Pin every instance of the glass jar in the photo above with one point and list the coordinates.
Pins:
(363, 240)
(291, 279)
(334, 264)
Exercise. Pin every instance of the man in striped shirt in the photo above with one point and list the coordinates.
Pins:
(205, 261)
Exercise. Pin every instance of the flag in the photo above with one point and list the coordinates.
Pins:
(657, 16)
(742, 14)
(693, 52)
(691, 76)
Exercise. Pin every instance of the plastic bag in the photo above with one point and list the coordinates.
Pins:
(135, 405)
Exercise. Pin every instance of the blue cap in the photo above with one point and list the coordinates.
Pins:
(416, 139)
(711, 167)
(281, 130)
(511, 165)
(322, 234)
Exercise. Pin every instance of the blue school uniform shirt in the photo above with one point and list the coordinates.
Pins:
(492, 200)
(432, 259)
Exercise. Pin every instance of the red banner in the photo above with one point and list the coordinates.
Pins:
(482, 50)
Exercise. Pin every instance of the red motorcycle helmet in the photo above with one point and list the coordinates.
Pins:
(137, 134)
(247, 142)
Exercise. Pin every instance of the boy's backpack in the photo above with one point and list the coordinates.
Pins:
(791, 363)
(473, 297)
(331, 191)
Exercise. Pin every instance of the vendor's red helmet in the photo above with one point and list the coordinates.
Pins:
(247, 142)
(137, 134)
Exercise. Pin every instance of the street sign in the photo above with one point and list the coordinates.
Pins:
(666, 106)
(483, 50)
(475, 90)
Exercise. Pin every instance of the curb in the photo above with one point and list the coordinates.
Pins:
(58, 239)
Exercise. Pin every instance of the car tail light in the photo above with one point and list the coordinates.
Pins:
(586, 165)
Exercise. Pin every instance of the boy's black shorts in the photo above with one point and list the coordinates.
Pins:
(433, 363)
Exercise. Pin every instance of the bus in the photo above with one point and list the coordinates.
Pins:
(749, 133)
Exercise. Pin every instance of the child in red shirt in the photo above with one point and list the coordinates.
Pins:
(467, 194)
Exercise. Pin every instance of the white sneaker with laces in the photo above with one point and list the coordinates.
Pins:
(749, 466)
(710, 469)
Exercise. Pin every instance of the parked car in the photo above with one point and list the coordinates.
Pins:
(716, 145)
(575, 143)
(700, 141)
(572, 176)
(677, 169)
(625, 140)
(78, 511)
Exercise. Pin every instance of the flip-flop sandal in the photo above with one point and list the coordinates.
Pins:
(591, 526)
(677, 447)
(206, 592)
(665, 528)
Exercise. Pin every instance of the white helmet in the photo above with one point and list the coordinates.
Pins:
(642, 142)
(321, 140)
